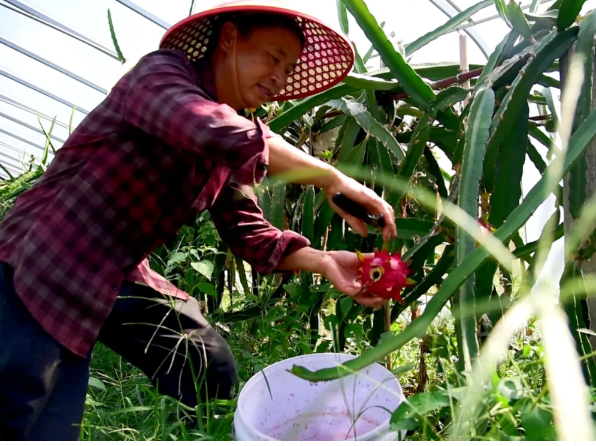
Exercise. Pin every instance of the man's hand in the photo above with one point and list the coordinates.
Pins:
(339, 267)
(374, 204)
(285, 158)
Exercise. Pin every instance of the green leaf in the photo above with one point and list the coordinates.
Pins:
(535, 132)
(548, 18)
(518, 20)
(335, 233)
(306, 105)
(551, 105)
(471, 171)
(547, 81)
(322, 222)
(333, 123)
(440, 71)
(343, 17)
(98, 384)
(529, 248)
(242, 274)
(537, 423)
(177, 257)
(446, 28)
(208, 289)
(359, 112)
(420, 93)
(568, 12)
(578, 144)
(348, 138)
(535, 5)
(576, 310)
(408, 228)
(367, 82)
(308, 218)
(371, 100)
(578, 176)
(278, 199)
(415, 151)
(204, 267)
(346, 305)
(447, 98)
(585, 47)
(383, 157)
(547, 51)
(419, 254)
(502, 10)
(509, 169)
(410, 413)
(114, 40)
(435, 170)
(431, 279)
(356, 155)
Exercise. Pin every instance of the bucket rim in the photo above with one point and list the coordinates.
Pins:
(239, 413)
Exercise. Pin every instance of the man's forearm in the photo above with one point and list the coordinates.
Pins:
(304, 259)
(303, 168)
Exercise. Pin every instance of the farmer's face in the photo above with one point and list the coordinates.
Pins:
(264, 60)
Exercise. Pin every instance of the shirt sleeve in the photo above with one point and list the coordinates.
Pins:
(241, 224)
(163, 98)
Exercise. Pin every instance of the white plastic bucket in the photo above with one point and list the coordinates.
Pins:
(275, 405)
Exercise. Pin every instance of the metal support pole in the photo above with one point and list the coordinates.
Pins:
(47, 63)
(30, 127)
(144, 13)
(20, 138)
(42, 91)
(448, 10)
(23, 107)
(32, 13)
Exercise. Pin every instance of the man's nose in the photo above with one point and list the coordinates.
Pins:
(278, 78)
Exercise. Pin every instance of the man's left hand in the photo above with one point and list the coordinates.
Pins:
(341, 269)
(361, 194)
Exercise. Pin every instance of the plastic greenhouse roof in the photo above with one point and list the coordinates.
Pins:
(58, 53)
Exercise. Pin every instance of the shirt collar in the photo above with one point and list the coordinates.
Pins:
(206, 77)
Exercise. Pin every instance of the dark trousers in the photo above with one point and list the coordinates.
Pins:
(43, 385)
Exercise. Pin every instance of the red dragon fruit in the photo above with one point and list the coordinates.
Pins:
(385, 275)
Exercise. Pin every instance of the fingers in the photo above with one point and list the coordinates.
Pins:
(377, 206)
(356, 224)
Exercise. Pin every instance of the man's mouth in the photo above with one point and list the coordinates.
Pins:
(265, 91)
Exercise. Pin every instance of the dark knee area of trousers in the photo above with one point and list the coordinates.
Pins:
(174, 355)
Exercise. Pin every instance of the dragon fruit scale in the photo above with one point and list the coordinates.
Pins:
(384, 275)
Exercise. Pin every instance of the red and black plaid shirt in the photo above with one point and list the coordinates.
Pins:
(155, 152)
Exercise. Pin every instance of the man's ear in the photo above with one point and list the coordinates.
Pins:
(227, 36)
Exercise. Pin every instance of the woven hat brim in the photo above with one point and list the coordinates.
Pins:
(326, 59)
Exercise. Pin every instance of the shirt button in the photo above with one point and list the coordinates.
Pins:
(114, 287)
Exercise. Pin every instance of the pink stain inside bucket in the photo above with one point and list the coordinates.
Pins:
(324, 426)
(284, 407)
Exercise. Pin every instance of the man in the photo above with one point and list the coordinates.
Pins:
(166, 143)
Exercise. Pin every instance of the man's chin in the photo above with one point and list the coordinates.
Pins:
(255, 104)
